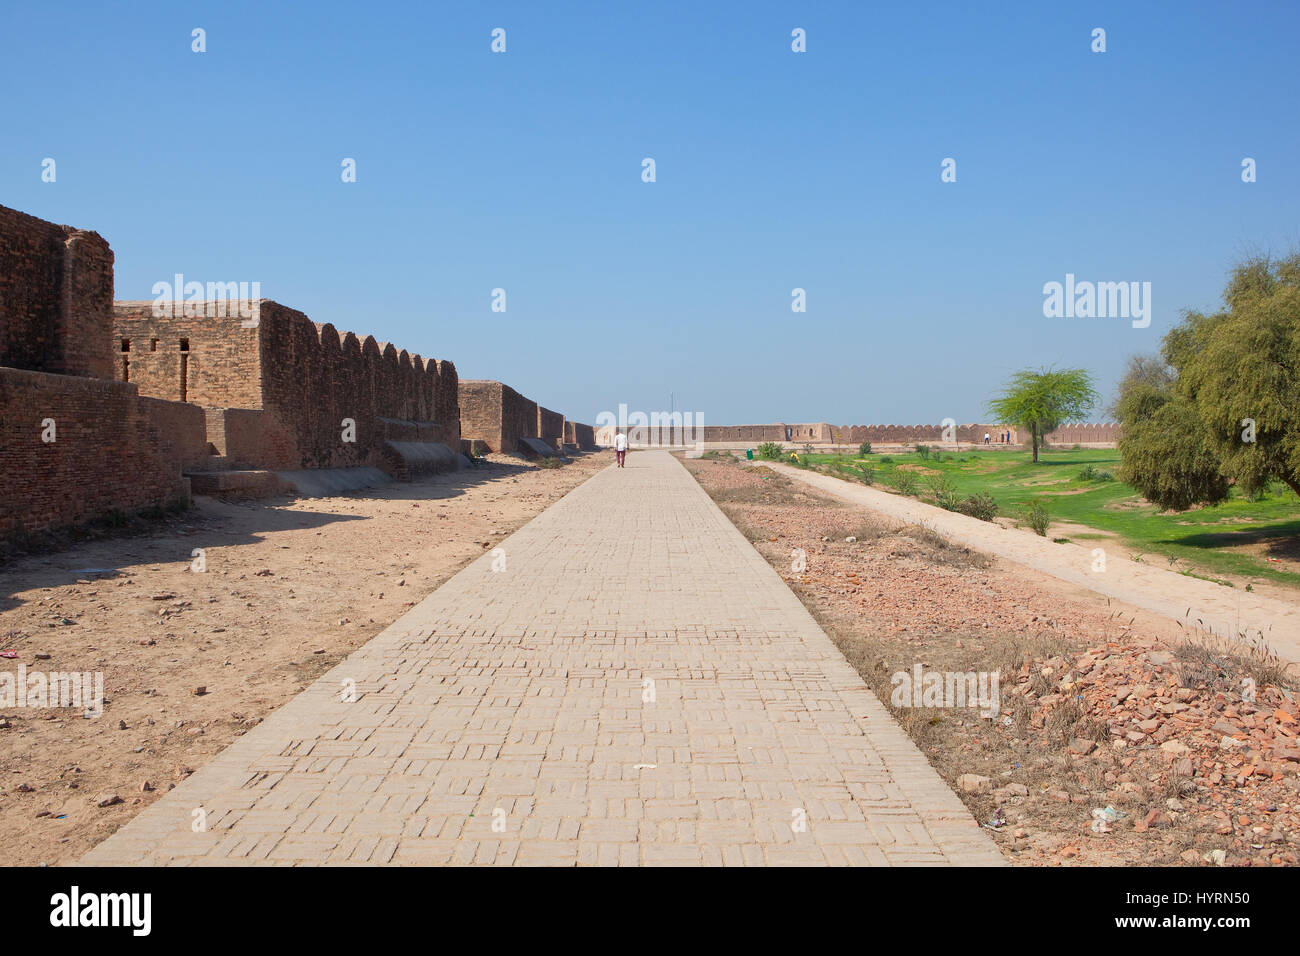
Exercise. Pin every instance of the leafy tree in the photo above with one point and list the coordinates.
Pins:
(1150, 370)
(1230, 412)
(1042, 400)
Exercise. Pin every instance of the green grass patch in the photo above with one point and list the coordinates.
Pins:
(1078, 486)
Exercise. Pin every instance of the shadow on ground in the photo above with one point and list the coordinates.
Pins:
(173, 535)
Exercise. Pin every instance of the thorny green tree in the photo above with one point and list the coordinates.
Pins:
(1228, 412)
(1040, 401)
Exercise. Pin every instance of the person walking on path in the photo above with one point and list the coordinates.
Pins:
(620, 449)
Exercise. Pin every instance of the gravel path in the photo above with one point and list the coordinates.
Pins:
(1177, 596)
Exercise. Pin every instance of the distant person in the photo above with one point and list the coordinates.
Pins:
(986, 438)
(620, 449)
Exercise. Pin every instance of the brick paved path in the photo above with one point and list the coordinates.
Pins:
(515, 698)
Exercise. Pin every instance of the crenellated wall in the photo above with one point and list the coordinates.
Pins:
(746, 433)
(899, 434)
(1101, 433)
(304, 379)
(821, 433)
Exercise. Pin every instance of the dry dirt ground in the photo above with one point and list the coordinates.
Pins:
(291, 587)
(1102, 708)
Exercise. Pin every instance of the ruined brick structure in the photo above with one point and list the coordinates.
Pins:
(76, 445)
(579, 435)
(496, 415)
(550, 427)
(56, 287)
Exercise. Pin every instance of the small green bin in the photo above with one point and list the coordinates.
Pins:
(749, 453)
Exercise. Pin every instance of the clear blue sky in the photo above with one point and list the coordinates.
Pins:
(775, 170)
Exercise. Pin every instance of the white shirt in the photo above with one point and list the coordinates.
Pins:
(620, 442)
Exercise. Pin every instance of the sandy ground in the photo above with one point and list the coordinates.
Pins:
(291, 587)
(1104, 706)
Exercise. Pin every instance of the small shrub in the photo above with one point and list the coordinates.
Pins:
(864, 449)
(886, 460)
(769, 451)
(923, 451)
(1090, 472)
(980, 506)
(1037, 518)
(936, 455)
(868, 474)
(905, 482)
(549, 461)
(945, 496)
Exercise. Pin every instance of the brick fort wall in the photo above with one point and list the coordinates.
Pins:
(112, 452)
(550, 427)
(56, 295)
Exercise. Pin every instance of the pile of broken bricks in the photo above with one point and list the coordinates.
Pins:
(1224, 760)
